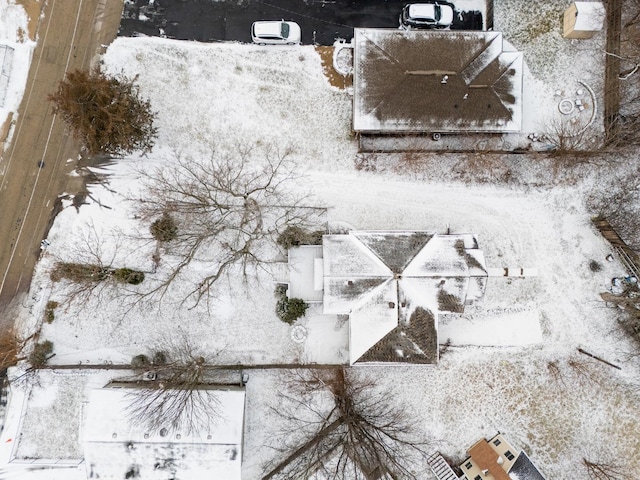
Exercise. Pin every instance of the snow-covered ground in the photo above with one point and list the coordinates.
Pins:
(13, 35)
(499, 372)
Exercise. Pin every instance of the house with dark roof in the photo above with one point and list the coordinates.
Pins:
(435, 81)
(392, 285)
(497, 459)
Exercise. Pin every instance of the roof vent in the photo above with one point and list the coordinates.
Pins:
(392, 305)
(435, 136)
(163, 432)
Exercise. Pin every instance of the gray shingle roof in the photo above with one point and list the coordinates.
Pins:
(435, 81)
(394, 284)
(524, 469)
(414, 340)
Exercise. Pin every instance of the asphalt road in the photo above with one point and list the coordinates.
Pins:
(34, 169)
(322, 21)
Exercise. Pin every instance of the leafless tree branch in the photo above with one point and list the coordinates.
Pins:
(229, 209)
(604, 471)
(346, 428)
(179, 398)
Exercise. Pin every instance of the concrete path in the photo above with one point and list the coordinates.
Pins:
(70, 33)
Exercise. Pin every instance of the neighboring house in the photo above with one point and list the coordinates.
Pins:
(496, 459)
(392, 285)
(115, 448)
(435, 81)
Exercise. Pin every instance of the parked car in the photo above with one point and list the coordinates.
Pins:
(275, 33)
(426, 15)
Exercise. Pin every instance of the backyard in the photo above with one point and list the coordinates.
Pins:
(510, 364)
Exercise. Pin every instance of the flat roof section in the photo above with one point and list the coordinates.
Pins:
(303, 270)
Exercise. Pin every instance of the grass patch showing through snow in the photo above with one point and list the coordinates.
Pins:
(33, 9)
(535, 28)
(335, 79)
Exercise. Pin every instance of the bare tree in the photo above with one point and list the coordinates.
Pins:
(345, 427)
(628, 303)
(622, 92)
(228, 208)
(617, 200)
(565, 134)
(605, 470)
(179, 397)
(92, 267)
(11, 346)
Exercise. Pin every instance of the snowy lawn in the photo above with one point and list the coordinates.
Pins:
(538, 395)
(14, 63)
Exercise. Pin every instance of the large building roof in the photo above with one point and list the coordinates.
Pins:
(435, 81)
(394, 284)
(114, 447)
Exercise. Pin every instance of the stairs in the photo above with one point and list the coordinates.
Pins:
(628, 261)
(280, 272)
(440, 467)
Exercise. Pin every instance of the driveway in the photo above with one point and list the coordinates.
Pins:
(322, 21)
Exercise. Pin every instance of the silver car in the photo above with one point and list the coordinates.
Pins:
(275, 33)
(426, 15)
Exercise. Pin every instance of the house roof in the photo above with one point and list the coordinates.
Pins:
(524, 469)
(490, 458)
(487, 459)
(113, 445)
(468, 81)
(394, 284)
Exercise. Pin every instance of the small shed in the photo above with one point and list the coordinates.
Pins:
(583, 19)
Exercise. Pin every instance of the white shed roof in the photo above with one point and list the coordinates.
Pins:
(113, 445)
(590, 17)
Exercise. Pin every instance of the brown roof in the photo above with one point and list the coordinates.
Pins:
(416, 81)
(487, 459)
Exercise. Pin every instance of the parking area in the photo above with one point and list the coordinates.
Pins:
(321, 21)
